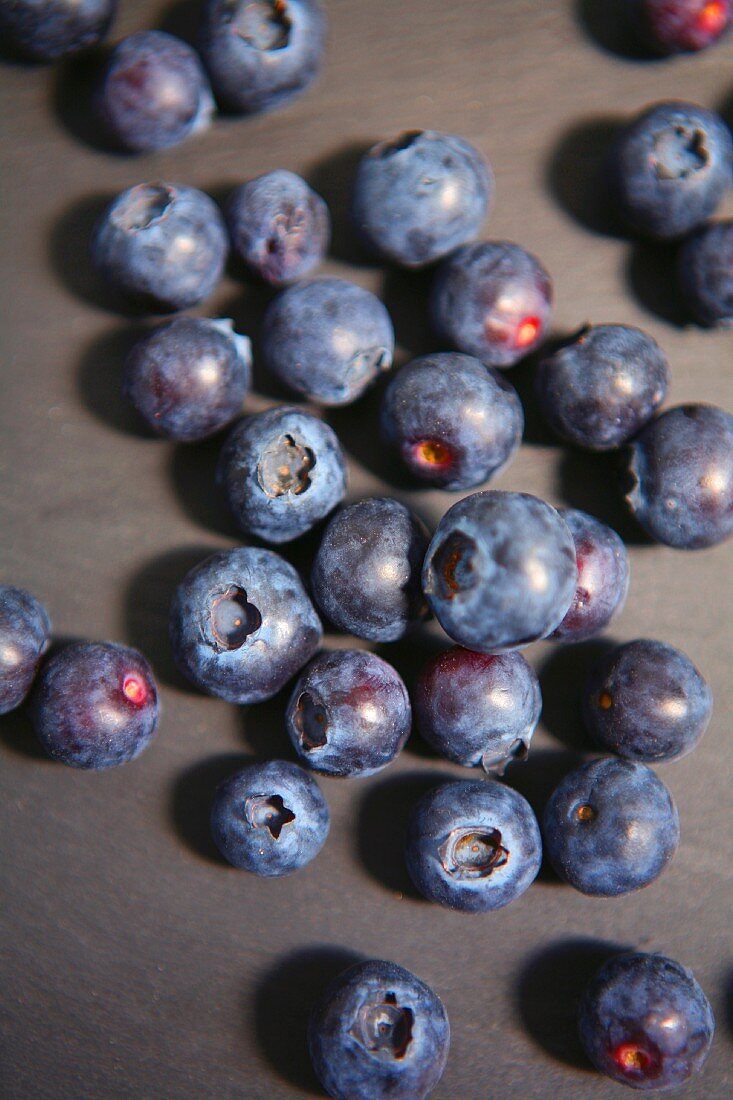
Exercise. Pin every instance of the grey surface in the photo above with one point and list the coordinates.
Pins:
(133, 964)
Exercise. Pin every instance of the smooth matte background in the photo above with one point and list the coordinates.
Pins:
(133, 962)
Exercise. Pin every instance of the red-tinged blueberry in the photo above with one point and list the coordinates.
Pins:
(645, 1022)
(95, 705)
(478, 709)
(492, 300)
(705, 274)
(681, 477)
(680, 26)
(379, 1032)
(45, 30)
(25, 633)
(646, 701)
(603, 578)
(453, 422)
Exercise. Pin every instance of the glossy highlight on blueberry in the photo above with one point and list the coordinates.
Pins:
(603, 578)
(45, 30)
(25, 635)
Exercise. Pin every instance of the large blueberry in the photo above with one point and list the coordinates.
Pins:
(601, 388)
(420, 195)
(645, 1022)
(379, 1032)
(681, 475)
(366, 573)
(189, 377)
(603, 578)
(242, 624)
(500, 571)
(492, 300)
(261, 53)
(95, 705)
(680, 26)
(25, 630)
(646, 701)
(670, 168)
(327, 339)
(283, 470)
(453, 422)
(269, 818)
(154, 92)
(478, 709)
(349, 713)
(705, 274)
(279, 226)
(610, 827)
(44, 30)
(473, 846)
(163, 243)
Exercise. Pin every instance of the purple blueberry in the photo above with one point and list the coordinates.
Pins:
(25, 632)
(45, 30)
(603, 578)
(680, 26)
(705, 274)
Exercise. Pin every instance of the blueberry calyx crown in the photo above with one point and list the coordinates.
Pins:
(311, 721)
(268, 811)
(384, 1028)
(679, 152)
(232, 619)
(264, 25)
(453, 565)
(285, 467)
(143, 206)
(473, 852)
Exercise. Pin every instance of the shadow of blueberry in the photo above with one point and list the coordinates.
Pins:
(576, 177)
(247, 311)
(594, 484)
(191, 799)
(536, 778)
(536, 431)
(99, 380)
(183, 19)
(75, 85)
(17, 734)
(562, 678)
(607, 23)
(332, 178)
(193, 475)
(263, 725)
(651, 276)
(406, 295)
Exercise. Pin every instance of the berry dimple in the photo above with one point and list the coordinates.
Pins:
(135, 690)
(527, 331)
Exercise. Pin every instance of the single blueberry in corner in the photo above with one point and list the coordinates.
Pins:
(25, 634)
(603, 578)
(45, 30)
(679, 26)
(705, 274)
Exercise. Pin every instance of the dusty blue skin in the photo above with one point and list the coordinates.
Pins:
(25, 632)
(492, 300)
(500, 571)
(366, 573)
(473, 846)
(681, 473)
(189, 377)
(242, 625)
(349, 713)
(44, 30)
(327, 339)
(610, 827)
(647, 701)
(603, 578)
(705, 274)
(162, 243)
(420, 195)
(679, 26)
(261, 53)
(476, 709)
(279, 226)
(154, 93)
(454, 423)
(269, 818)
(282, 470)
(670, 168)
(379, 1032)
(645, 1022)
(95, 705)
(599, 390)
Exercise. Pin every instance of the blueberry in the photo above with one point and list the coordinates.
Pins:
(25, 630)
(269, 818)
(645, 1022)
(242, 625)
(610, 827)
(189, 377)
(44, 30)
(154, 92)
(420, 195)
(473, 846)
(603, 578)
(646, 701)
(283, 470)
(327, 339)
(454, 423)
(349, 713)
(379, 1032)
(680, 26)
(162, 243)
(705, 274)
(500, 571)
(681, 475)
(366, 573)
(492, 300)
(600, 389)
(262, 53)
(279, 226)
(95, 705)
(670, 168)
(478, 709)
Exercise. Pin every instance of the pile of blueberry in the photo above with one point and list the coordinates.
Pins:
(501, 570)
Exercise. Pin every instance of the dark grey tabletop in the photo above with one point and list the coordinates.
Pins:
(133, 963)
